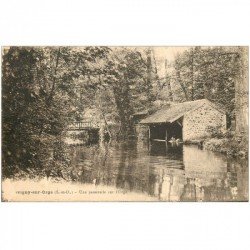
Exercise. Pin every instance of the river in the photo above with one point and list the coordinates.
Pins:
(162, 171)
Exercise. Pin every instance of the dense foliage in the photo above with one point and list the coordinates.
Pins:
(38, 97)
(46, 88)
(208, 73)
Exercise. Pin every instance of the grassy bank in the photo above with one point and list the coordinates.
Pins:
(231, 146)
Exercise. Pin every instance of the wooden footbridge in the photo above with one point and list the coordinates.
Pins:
(83, 126)
(84, 130)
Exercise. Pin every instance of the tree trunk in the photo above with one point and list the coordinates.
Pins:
(103, 124)
(54, 77)
(122, 100)
(192, 74)
(178, 74)
(241, 95)
(170, 93)
(149, 74)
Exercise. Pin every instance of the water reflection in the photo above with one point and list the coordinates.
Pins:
(170, 173)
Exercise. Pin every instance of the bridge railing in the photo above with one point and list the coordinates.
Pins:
(82, 125)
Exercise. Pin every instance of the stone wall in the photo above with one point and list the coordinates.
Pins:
(196, 122)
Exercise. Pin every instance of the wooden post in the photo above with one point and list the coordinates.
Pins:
(149, 135)
(179, 123)
(166, 137)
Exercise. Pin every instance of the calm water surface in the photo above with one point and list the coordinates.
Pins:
(165, 172)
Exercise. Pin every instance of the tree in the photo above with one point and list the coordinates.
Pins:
(125, 79)
(207, 73)
(241, 94)
(39, 93)
(168, 79)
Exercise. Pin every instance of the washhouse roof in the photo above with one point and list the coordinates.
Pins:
(176, 111)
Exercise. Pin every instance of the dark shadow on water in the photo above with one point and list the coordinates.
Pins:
(162, 148)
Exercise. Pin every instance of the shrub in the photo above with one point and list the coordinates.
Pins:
(215, 131)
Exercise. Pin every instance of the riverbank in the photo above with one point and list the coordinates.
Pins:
(230, 147)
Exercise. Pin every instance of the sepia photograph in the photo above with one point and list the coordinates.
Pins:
(105, 123)
(124, 125)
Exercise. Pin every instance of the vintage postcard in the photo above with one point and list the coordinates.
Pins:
(125, 123)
